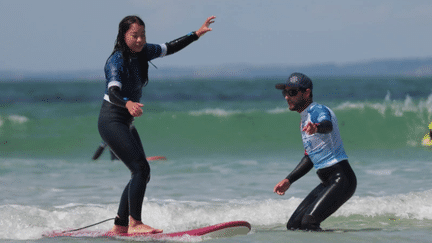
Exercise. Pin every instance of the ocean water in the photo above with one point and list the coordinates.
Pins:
(227, 143)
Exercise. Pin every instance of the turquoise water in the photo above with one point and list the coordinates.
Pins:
(227, 143)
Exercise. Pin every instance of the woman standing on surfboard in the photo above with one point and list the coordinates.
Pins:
(126, 72)
(323, 150)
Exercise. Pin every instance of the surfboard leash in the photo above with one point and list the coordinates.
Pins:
(88, 226)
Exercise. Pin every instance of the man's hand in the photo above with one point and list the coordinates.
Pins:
(281, 187)
(310, 128)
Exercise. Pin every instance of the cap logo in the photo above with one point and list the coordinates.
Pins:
(294, 79)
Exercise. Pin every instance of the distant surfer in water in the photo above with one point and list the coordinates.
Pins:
(126, 72)
(427, 139)
(100, 150)
(323, 150)
(103, 145)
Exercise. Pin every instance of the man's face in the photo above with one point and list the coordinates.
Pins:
(296, 98)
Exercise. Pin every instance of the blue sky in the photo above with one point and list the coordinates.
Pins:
(57, 35)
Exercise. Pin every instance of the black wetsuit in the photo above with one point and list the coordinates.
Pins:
(338, 184)
(125, 79)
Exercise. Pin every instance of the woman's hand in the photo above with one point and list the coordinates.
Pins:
(134, 108)
(205, 27)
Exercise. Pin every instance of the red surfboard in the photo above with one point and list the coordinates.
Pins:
(226, 229)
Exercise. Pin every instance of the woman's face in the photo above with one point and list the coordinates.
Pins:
(135, 37)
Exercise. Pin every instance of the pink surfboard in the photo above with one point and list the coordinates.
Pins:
(227, 229)
(152, 158)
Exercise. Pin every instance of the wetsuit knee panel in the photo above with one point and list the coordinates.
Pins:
(141, 168)
(293, 225)
(309, 222)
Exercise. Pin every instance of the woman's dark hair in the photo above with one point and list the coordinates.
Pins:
(120, 43)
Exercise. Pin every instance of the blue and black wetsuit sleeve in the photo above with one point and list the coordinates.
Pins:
(168, 48)
(301, 169)
(115, 96)
(114, 73)
(180, 43)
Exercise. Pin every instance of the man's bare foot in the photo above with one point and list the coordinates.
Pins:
(117, 229)
(136, 226)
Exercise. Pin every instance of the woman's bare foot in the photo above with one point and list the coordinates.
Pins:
(117, 229)
(136, 226)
